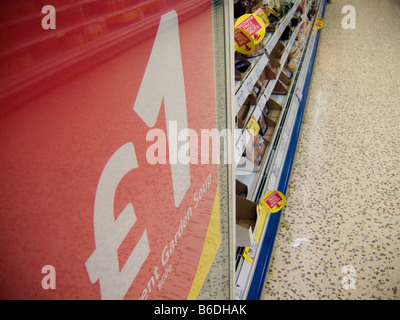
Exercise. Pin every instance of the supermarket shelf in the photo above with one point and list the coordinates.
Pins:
(250, 273)
(265, 96)
(244, 87)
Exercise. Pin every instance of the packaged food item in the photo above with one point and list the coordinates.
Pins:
(287, 73)
(256, 90)
(241, 69)
(263, 124)
(260, 144)
(243, 113)
(266, 111)
(255, 149)
(252, 154)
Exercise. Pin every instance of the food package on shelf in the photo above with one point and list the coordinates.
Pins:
(244, 114)
(260, 144)
(242, 7)
(263, 124)
(255, 93)
(255, 149)
(242, 67)
(252, 154)
(280, 88)
(271, 70)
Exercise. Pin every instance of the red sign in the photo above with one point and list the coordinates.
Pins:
(102, 195)
(273, 200)
(250, 24)
(240, 38)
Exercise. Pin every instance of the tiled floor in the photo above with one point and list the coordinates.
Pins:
(339, 236)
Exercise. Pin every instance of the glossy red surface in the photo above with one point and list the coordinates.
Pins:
(67, 107)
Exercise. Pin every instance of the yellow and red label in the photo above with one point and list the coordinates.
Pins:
(319, 23)
(249, 31)
(244, 43)
(273, 201)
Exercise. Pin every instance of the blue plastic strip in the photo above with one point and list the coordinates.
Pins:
(261, 270)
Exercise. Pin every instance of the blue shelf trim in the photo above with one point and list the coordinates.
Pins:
(261, 270)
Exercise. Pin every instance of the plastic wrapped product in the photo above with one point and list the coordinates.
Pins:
(260, 145)
(263, 124)
(252, 154)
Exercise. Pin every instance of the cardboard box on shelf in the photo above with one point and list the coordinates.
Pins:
(239, 123)
(273, 26)
(280, 88)
(241, 189)
(244, 112)
(256, 93)
(275, 110)
(246, 220)
(268, 135)
(262, 78)
(278, 50)
(290, 68)
(272, 68)
(286, 80)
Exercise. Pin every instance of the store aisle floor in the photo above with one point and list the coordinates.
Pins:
(339, 236)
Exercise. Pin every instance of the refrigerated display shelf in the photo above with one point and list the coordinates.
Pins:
(244, 87)
(251, 273)
(251, 179)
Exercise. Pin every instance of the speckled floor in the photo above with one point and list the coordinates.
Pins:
(339, 236)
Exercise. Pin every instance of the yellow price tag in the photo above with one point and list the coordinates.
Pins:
(247, 256)
(262, 215)
(249, 253)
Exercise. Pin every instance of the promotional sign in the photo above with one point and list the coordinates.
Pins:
(249, 31)
(109, 188)
(244, 42)
(253, 25)
(273, 201)
(319, 23)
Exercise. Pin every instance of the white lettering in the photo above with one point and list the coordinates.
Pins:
(169, 248)
(349, 21)
(171, 310)
(165, 256)
(109, 233)
(199, 193)
(49, 280)
(164, 82)
(49, 21)
(156, 148)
